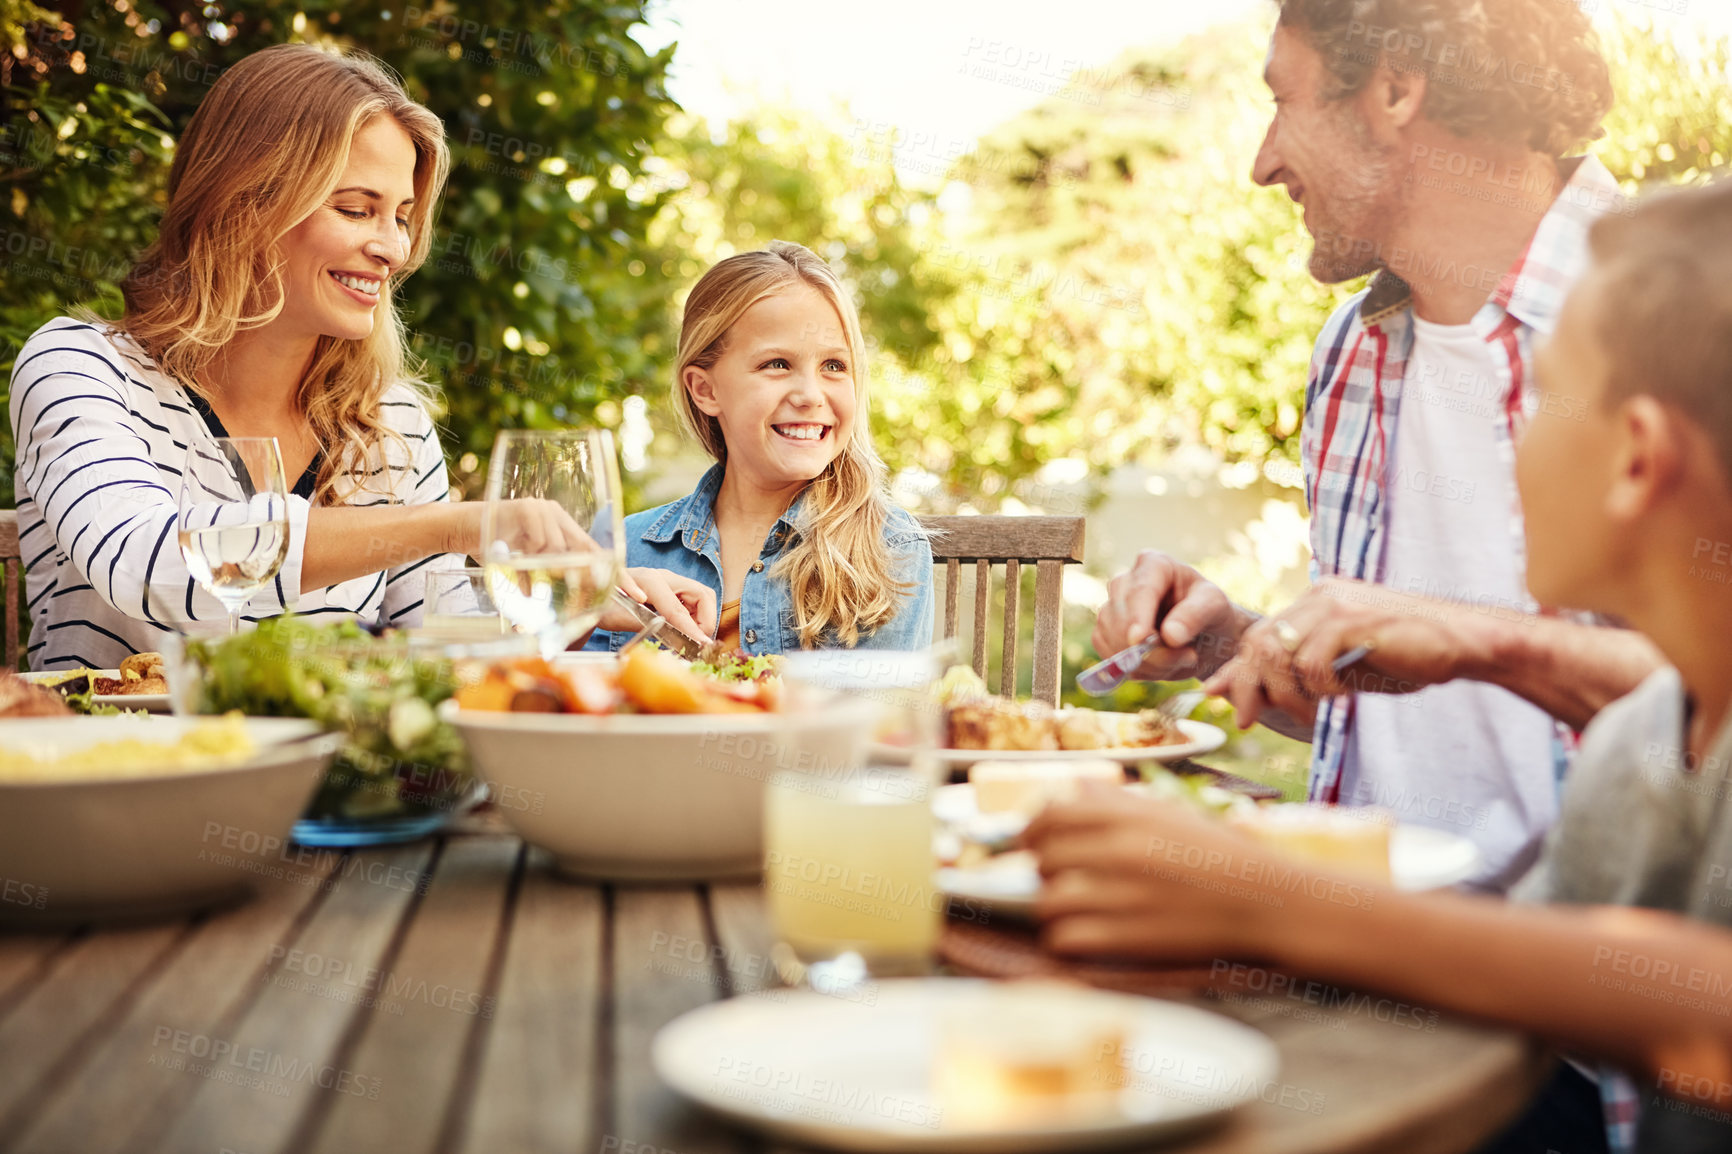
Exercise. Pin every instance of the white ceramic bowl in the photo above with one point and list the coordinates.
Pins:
(137, 847)
(639, 797)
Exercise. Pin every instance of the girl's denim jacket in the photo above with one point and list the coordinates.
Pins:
(681, 537)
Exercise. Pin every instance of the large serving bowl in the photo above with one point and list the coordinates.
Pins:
(641, 797)
(101, 848)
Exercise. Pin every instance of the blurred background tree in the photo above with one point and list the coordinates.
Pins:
(542, 300)
(1096, 281)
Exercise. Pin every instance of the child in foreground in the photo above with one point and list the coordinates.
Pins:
(1626, 483)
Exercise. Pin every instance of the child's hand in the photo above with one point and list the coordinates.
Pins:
(687, 605)
(1132, 877)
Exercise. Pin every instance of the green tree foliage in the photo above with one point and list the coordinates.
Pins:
(1673, 120)
(1100, 280)
(542, 299)
(1116, 286)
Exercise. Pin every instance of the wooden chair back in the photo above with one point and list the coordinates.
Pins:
(981, 543)
(14, 562)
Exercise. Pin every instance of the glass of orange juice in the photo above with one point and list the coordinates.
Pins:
(848, 865)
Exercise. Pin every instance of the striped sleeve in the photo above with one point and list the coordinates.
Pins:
(103, 479)
(421, 480)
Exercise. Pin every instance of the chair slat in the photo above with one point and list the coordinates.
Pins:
(952, 593)
(14, 579)
(1048, 628)
(999, 538)
(1047, 543)
(982, 602)
(13, 556)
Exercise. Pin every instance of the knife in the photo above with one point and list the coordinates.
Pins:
(656, 627)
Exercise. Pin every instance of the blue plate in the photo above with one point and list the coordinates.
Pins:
(352, 832)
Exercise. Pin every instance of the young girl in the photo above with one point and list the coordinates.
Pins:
(301, 196)
(793, 527)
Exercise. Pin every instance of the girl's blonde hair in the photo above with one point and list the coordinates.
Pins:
(265, 148)
(840, 569)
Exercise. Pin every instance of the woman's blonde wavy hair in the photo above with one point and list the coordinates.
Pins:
(839, 569)
(265, 148)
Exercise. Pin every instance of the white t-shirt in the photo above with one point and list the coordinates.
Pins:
(1465, 757)
(103, 438)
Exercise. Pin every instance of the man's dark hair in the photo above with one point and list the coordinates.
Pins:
(1517, 71)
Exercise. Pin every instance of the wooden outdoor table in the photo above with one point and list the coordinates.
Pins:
(454, 995)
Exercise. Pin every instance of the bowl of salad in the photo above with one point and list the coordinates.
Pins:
(402, 772)
(645, 766)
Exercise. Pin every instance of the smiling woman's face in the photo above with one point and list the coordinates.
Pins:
(783, 389)
(339, 257)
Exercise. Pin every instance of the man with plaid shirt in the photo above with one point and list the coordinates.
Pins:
(1426, 142)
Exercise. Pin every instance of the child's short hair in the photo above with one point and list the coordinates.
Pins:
(1665, 304)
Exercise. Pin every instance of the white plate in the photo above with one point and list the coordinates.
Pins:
(1204, 738)
(856, 1074)
(149, 702)
(1420, 858)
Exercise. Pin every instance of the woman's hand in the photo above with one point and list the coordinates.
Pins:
(687, 605)
(537, 526)
(527, 525)
(1131, 877)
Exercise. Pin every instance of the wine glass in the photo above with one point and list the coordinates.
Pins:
(552, 532)
(234, 518)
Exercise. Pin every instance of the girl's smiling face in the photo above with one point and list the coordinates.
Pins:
(782, 390)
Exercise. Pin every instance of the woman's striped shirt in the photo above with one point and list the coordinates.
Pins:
(103, 437)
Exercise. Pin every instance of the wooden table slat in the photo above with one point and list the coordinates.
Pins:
(295, 1036)
(49, 1026)
(538, 1087)
(212, 978)
(743, 930)
(24, 960)
(580, 977)
(661, 968)
(429, 1002)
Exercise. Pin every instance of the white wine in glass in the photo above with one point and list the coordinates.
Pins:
(552, 534)
(234, 518)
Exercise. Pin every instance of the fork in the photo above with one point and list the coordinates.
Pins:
(1181, 705)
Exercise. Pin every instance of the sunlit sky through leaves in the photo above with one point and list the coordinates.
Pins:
(947, 69)
(943, 72)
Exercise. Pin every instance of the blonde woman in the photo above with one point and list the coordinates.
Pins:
(302, 194)
(792, 528)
